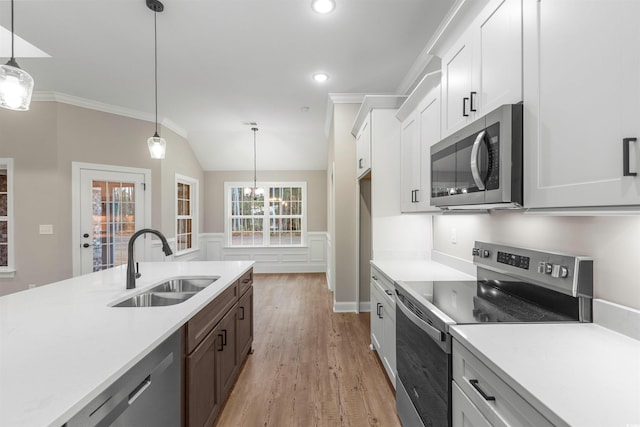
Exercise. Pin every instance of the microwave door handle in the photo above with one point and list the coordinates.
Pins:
(475, 172)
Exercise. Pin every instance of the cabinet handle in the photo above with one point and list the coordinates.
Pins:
(224, 338)
(374, 277)
(242, 315)
(485, 396)
(360, 163)
(378, 309)
(221, 342)
(471, 101)
(388, 292)
(381, 309)
(416, 198)
(464, 107)
(625, 156)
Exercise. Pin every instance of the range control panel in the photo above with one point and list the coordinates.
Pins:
(569, 274)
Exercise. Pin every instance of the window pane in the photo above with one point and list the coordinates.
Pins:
(4, 255)
(4, 234)
(4, 204)
(3, 181)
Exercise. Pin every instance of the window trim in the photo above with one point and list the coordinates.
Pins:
(194, 204)
(267, 185)
(9, 271)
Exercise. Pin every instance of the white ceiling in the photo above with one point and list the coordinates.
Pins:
(226, 62)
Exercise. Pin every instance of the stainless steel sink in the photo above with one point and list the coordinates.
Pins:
(184, 285)
(171, 292)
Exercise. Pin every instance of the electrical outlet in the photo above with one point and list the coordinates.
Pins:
(46, 228)
(454, 236)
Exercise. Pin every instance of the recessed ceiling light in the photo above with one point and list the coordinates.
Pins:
(320, 77)
(323, 6)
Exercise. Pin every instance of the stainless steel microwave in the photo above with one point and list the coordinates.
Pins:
(480, 166)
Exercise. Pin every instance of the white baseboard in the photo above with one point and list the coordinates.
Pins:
(365, 306)
(345, 307)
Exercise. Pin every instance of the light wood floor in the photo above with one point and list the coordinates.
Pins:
(310, 366)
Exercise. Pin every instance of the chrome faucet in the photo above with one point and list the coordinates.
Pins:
(132, 274)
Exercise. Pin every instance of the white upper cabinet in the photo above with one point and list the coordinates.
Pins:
(582, 103)
(410, 163)
(483, 69)
(420, 130)
(363, 148)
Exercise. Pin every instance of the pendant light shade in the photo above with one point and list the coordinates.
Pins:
(16, 85)
(157, 145)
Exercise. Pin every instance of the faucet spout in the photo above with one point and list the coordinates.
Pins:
(131, 273)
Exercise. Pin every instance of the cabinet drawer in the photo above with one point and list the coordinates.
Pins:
(245, 281)
(386, 286)
(203, 322)
(501, 405)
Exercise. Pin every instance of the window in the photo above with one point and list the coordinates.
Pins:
(273, 214)
(186, 213)
(6, 218)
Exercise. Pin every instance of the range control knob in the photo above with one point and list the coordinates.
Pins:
(485, 253)
(475, 252)
(559, 271)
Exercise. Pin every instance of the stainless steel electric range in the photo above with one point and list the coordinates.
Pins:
(513, 285)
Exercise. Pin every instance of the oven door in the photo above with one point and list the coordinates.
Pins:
(423, 392)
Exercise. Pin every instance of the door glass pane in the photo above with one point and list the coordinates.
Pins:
(113, 222)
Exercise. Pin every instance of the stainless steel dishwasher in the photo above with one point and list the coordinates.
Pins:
(147, 395)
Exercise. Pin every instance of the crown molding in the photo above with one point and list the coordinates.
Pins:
(427, 54)
(107, 108)
(339, 98)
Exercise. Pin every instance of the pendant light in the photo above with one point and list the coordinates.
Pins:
(16, 85)
(255, 169)
(157, 145)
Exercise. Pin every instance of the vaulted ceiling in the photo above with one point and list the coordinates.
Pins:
(223, 63)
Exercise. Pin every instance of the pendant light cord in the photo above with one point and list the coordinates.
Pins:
(255, 174)
(12, 32)
(155, 62)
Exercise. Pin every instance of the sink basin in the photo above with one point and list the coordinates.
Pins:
(184, 285)
(171, 292)
(156, 299)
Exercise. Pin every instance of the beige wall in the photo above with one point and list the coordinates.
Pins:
(343, 152)
(316, 195)
(43, 143)
(612, 241)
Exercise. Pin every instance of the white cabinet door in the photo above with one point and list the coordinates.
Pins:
(410, 163)
(389, 326)
(483, 70)
(363, 148)
(429, 117)
(457, 84)
(582, 100)
(463, 411)
(498, 56)
(377, 328)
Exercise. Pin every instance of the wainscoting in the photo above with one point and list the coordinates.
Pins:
(292, 259)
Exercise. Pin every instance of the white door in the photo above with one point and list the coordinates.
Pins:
(111, 208)
(410, 164)
(457, 81)
(429, 135)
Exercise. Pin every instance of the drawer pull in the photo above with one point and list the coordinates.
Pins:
(485, 396)
(388, 292)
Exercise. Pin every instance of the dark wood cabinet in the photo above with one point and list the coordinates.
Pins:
(226, 353)
(203, 399)
(217, 340)
(244, 326)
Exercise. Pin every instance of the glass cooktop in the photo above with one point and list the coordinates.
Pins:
(489, 301)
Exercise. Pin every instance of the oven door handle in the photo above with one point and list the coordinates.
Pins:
(475, 171)
(430, 330)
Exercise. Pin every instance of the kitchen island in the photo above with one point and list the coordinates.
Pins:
(63, 344)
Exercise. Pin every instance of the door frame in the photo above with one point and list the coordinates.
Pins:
(76, 168)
